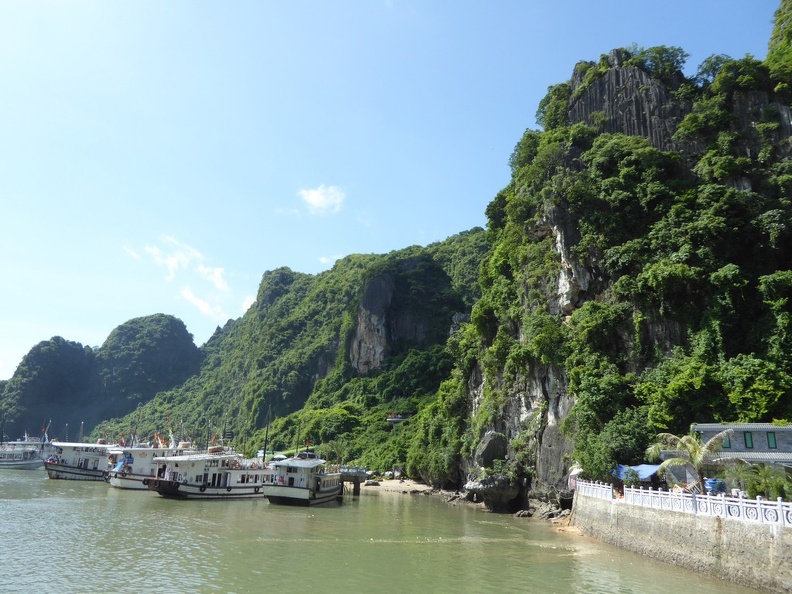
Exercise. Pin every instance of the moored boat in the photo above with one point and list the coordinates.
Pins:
(130, 466)
(78, 461)
(22, 454)
(303, 480)
(218, 473)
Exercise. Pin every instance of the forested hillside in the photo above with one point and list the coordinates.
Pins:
(639, 279)
(71, 384)
(349, 345)
(635, 277)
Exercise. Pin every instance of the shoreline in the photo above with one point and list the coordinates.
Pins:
(411, 487)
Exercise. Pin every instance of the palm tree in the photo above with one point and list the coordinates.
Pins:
(738, 472)
(690, 450)
(768, 480)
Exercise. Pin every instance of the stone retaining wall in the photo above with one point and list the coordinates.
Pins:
(751, 554)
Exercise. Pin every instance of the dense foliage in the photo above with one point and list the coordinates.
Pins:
(76, 387)
(685, 314)
(690, 321)
(283, 372)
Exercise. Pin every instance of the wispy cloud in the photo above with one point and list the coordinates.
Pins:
(329, 260)
(323, 200)
(203, 286)
(248, 302)
(132, 253)
(215, 311)
(178, 256)
(215, 276)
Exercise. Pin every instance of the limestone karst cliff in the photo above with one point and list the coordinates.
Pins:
(633, 242)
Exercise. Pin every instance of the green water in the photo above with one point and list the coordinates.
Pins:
(69, 536)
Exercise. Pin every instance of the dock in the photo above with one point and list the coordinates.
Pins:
(353, 475)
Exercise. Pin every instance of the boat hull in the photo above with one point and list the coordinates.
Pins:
(127, 481)
(74, 473)
(177, 490)
(283, 495)
(22, 464)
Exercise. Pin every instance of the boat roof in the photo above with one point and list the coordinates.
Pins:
(201, 456)
(299, 462)
(83, 444)
(134, 449)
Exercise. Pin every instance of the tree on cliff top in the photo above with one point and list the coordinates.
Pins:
(779, 50)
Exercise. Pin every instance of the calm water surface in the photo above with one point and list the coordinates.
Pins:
(71, 536)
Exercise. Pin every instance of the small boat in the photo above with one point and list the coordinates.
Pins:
(22, 454)
(78, 461)
(218, 473)
(303, 480)
(130, 466)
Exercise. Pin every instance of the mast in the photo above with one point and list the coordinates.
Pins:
(266, 435)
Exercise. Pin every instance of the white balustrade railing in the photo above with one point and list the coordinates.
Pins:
(749, 510)
(596, 490)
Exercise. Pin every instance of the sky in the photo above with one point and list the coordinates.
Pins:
(160, 157)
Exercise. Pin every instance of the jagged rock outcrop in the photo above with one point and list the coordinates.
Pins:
(631, 101)
(748, 108)
(498, 492)
(574, 279)
(627, 100)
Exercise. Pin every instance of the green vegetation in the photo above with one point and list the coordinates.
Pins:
(645, 289)
(73, 385)
(689, 319)
(690, 450)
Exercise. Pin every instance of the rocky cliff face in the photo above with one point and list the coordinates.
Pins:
(627, 100)
(371, 342)
(387, 320)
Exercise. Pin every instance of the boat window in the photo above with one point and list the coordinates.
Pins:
(726, 442)
(771, 440)
(748, 439)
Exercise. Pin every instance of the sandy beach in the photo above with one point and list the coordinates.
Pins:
(406, 486)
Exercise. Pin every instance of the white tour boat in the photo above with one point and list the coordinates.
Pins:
(130, 466)
(23, 454)
(303, 480)
(218, 473)
(78, 461)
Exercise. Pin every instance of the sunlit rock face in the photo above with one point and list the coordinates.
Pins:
(370, 344)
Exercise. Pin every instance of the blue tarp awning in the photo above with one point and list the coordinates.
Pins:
(644, 470)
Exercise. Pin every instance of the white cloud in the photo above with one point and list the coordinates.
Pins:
(215, 312)
(132, 253)
(248, 302)
(329, 260)
(214, 276)
(179, 257)
(323, 200)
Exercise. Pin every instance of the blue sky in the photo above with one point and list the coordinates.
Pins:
(159, 157)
